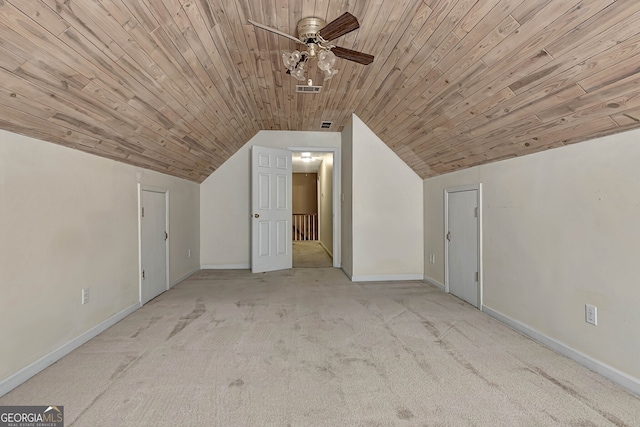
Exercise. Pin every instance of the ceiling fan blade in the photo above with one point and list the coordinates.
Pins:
(352, 55)
(273, 30)
(340, 26)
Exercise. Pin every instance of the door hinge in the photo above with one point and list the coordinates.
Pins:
(142, 274)
(143, 212)
(475, 212)
(166, 236)
(477, 276)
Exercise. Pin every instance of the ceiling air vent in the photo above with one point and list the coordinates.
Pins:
(325, 125)
(308, 89)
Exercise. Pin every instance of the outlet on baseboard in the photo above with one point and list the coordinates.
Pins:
(591, 314)
(85, 295)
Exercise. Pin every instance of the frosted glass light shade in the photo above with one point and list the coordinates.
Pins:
(298, 73)
(291, 59)
(326, 60)
(328, 74)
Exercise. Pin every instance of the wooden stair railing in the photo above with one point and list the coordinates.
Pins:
(305, 226)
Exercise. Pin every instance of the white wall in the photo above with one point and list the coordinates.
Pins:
(225, 222)
(69, 220)
(325, 206)
(346, 204)
(561, 230)
(387, 203)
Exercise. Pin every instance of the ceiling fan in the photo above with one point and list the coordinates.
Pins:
(316, 34)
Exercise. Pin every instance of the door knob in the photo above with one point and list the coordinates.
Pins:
(256, 215)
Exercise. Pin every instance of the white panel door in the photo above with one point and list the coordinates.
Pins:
(271, 209)
(153, 244)
(462, 240)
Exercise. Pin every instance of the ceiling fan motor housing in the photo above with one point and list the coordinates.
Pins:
(308, 29)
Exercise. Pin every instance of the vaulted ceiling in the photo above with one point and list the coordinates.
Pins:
(179, 85)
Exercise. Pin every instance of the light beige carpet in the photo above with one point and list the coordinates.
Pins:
(310, 254)
(306, 347)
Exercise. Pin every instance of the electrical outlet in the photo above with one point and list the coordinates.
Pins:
(591, 314)
(85, 295)
(189, 254)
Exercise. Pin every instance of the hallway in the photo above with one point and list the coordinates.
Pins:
(310, 254)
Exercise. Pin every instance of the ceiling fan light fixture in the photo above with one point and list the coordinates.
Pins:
(295, 62)
(312, 50)
(326, 60)
(306, 157)
(316, 34)
(328, 74)
(298, 73)
(291, 59)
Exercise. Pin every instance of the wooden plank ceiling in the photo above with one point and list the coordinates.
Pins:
(179, 85)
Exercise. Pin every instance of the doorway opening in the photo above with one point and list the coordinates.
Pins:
(312, 202)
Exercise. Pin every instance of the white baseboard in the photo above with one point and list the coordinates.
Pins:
(346, 272)
(387, 278)
(183, 277)
(27, 372)
(625, 380)
(433, 282)
(325, 248)
(225, 267)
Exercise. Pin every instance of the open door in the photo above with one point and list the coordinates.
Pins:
(271, 190)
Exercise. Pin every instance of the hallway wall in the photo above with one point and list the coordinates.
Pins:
(305, 193)
(325, 177)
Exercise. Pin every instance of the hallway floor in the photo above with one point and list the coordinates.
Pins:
(310, 254)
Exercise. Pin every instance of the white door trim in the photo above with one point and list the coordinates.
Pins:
(448, 191)
(336, 195)
(165, 191)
